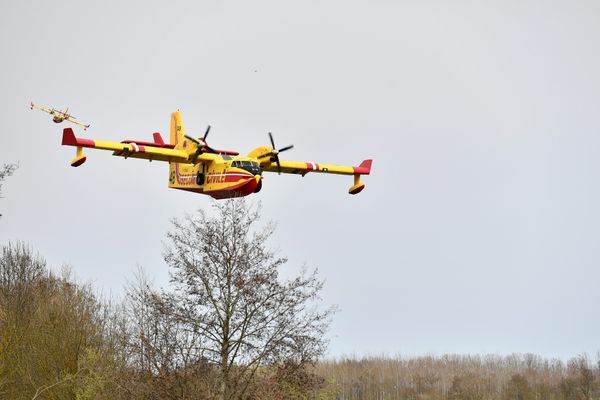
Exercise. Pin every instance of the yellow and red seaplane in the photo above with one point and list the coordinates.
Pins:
(196, 167)
(59, 116)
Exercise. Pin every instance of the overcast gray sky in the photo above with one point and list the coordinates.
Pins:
(479, 229)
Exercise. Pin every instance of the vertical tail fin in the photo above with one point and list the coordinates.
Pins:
(177, 130)
(181, 176)
(158, 139)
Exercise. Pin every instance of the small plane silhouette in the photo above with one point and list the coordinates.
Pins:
(60, 116)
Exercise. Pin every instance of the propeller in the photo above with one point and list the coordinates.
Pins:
(201, 145)
(274, 154)
(206, 134)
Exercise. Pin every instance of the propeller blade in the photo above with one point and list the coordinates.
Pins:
(273, 154)
(265, 155)
(192, 139)
(206, 133)
(272, 142)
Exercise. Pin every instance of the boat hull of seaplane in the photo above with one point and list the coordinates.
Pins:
(221, 184)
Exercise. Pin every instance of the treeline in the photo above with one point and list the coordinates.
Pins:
(228, 327)
(455, 377)
(59, 340)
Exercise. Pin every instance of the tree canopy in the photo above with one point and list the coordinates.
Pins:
(228, 291)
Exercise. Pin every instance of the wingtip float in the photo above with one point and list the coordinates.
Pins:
(59, 116)
(197, 167)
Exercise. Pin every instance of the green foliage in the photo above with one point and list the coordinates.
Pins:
(518, 388)
(467, 387)
(291, 381)
(97, 375)
(48, 326)
(581, 382)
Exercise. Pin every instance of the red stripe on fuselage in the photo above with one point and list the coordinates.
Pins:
(240, 190)
(228, 177)
(236, 176)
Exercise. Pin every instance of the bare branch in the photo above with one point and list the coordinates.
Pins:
(6, 171)
(226, 284)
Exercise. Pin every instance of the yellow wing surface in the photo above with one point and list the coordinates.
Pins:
(302, 168)
(143, 150)
(73, 120)
(40, 108)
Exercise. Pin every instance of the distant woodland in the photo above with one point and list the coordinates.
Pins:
(456, 377)
(228, 327)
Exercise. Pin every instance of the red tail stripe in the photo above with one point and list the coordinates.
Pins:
(364, 168)
(157, 138)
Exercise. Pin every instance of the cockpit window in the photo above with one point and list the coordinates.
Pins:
(250, 166)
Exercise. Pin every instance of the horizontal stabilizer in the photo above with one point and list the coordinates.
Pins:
(69, 139)
(133, 149)
(364, 168)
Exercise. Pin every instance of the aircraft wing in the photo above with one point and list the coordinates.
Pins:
(302, 168)
(73, 120)
(131, 149)
(40, 108)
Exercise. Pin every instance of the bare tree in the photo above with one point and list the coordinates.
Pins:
(6, 171)
(227, 288)
(21, 270)
(160, 350)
